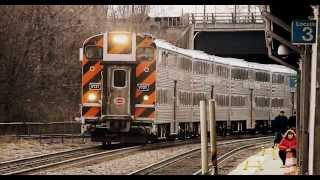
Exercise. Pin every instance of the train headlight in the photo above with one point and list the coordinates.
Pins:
(146, 97)
(120, 39)
(119, 43)
(92, 97)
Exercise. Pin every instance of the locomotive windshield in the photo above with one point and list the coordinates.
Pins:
(145, 53)
(93, 52)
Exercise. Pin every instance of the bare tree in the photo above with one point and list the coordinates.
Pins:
(40, 71)
(39, 51)
(127, 16)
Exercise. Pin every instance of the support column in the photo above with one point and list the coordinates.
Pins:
(191, 40)
(304, 110)
(316, 130)
(204, 138)
(213, 136)
(251, 109)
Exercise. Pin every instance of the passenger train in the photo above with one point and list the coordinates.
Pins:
(134, 85)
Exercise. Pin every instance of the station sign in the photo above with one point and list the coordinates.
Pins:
(303, 32)
(292, 81)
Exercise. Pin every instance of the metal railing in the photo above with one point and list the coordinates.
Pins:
(225, 18)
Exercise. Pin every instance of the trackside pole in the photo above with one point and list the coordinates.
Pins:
(204, 138)
(213, 136)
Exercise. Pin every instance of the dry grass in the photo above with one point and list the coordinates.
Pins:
(14, 148)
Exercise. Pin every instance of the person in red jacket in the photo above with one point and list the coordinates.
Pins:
(288, 144)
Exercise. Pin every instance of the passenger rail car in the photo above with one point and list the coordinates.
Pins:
(136, 86)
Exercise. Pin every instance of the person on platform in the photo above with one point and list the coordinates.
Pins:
(287, 147)
(279, 125)
(292, 121)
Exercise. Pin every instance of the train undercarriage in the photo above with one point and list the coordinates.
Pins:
(142, 133)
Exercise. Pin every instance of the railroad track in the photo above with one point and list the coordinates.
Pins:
(38, 164)
(232, 153)
(54, 161)
(21, 165)
(184, 163)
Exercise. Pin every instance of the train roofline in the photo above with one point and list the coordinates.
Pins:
(200, 55)
(196, 54)
(86, 40)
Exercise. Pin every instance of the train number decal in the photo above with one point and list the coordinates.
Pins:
(143, 87)
(94, 86)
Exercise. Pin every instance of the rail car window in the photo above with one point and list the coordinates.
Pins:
(172, 60)
(238, 101)
(262, 101)
(211, 67)
(185, 64)
(162, 96)
(93, 52)
(196, 68)
(179, 62)
(119, 78)
(197, 97)
(239, 74)
(185, 98)
(262, 76)
(222, 100)
(277, 78)
(277, 102)
(190, 98)
(222, 71)
(205, 68)
(164, 58)
(200, 67)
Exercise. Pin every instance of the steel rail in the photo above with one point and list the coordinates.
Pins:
(156, 166)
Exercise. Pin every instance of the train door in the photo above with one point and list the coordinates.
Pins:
(118, 90)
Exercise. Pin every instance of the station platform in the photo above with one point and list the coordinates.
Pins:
(265, 162)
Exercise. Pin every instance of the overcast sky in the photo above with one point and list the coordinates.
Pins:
(176, 10)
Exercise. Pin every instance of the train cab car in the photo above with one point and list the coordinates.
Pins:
(114, 66)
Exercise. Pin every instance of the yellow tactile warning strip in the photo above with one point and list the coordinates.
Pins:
(266, 162)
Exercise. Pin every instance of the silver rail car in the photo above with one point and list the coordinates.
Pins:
(136, 86)
(248, 95)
